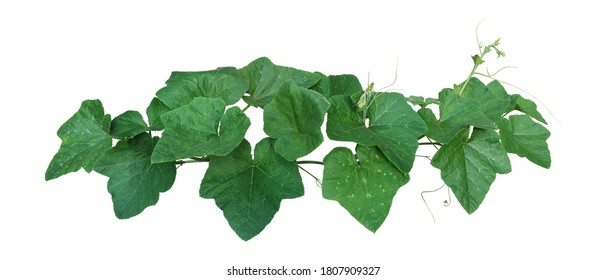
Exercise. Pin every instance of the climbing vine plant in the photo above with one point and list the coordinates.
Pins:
(473, 126)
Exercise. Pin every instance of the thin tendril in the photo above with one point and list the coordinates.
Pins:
(503, 68)
(318, 182)
(433, 143)
(425, 201)
(447, 203)
(477, 37)
(422, 156)
(395, 78)
(523, 90)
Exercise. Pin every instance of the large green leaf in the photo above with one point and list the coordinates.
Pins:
(127, 125)
(332, 85)
(393, 126)
(199, 129)
(522, 136)
(154, 112)
(364, 184)
(181, 88)
(469, 166)
(529, 107)
(134, 182)
(294, 117)
(493, 98)
(457, 112)
(477, 105)
(264, 79)
(84, 139)
(249, 191)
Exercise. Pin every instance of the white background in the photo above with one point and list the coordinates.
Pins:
(534, 223)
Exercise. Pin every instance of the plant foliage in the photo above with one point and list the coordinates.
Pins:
(473, 126)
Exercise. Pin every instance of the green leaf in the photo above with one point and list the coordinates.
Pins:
(529, 107)
(134, 182)
(364, 184)
(457, 112)
(181, 88)
(477, 60)
(469, 167)
(294, 118)
(422, 101)
(494, 100)
(127, 125)
(249, 191)
(154, 111)
(200, 129)
(333, 85)
(522, 136)
(84, 139)
(264, 79)
(440, 132)
(393, 126)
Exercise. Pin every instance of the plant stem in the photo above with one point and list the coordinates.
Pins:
(246, 108)
(429, 143)
(205, 159)
(473, 71)
(318, 181)
(191, 160)
(310, 162)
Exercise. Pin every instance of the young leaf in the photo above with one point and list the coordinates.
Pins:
(249, 191)
(199, 129)
(338, 85)
(469, 167)
(294, 117)
(264, 78)
(127, 125)
(364, 184)
(494, 100)
(154, 111)
(84, 139)
(456, 113)
(529, 107)
(522, 136)
(182, 87)
(134, 182)
(422, 101)
(393, 126)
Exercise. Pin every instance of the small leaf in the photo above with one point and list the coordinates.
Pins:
(364, 184)
(154, 112)
(134, 182)
(294, 118)
(478, 106)
(84, 139)
(469, 167)
(249, 191)
(522, 136)
(338, 85)
(422, 101)
(127, 125)
(477, 60)
(494, 100)
(264, 78)
(200, 129)
(529, 107)
(393, 126)
(182, 87)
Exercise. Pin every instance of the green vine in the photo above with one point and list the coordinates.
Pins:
(476, 126)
